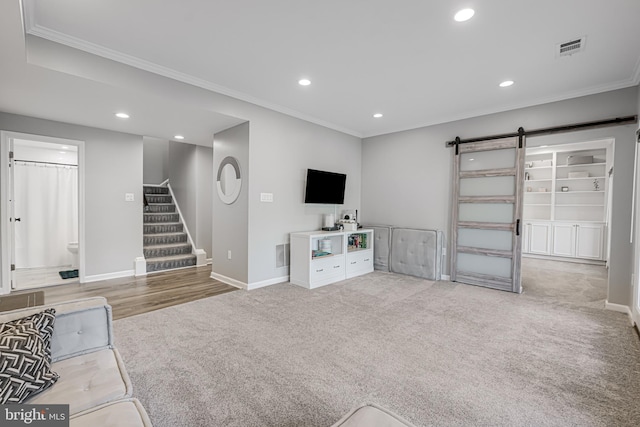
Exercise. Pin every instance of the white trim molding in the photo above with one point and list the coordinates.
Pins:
(269, 282)
(140, 266)
(620, 308)
(248, 286)
(229, 280)
(108, 276)
(445, 277)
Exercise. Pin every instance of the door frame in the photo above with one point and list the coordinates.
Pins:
(6, 275)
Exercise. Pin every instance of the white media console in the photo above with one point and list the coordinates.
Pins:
(320, 258)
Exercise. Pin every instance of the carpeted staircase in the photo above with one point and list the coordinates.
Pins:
(165, 243)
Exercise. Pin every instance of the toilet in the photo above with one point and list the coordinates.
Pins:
(73, 248)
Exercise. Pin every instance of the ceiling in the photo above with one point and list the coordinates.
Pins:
(408, 60)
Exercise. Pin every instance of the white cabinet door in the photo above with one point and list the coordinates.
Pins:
(540, 238)
(564, 238)
(526, 233)
(589, 240)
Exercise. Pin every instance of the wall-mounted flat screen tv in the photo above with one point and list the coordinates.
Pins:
(325, 187)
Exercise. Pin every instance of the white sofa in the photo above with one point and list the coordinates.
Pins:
(93, 379)
(371, 415)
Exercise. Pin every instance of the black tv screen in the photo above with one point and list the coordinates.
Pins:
(325, 187)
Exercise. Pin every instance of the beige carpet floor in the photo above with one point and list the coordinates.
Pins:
(438, 354)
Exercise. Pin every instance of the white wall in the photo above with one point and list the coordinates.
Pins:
(407, 175)
(231, 221)
(204, 199)
(113, 167)
(282, 148)
(155, 169)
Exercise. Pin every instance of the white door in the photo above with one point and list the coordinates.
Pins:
(540, 238)
(487, 212)
(589, 241)
(564, 238)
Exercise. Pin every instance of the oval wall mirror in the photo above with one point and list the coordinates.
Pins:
(229, 181)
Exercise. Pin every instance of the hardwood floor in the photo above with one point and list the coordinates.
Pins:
(130, 296)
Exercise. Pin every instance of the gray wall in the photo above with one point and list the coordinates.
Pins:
(204, 198)
(231, 222)
(406, 176)
(190, 171)
(282, 149)
(155, 167)
(112, 167)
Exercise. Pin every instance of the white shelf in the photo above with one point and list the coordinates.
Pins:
(580, 192)
(538, 167)
(576, 179)
(581, 165)
(587, 205)
(538, 180)
(537, 204)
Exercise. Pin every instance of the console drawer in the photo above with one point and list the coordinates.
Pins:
(360, 262)
(324, 271)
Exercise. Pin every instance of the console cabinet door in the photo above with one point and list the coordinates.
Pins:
(540, 238)
(589, 241)
(564, 240)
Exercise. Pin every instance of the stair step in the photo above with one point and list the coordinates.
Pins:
(159, 198)
(152, 189)
(170, 262)
(164, 238)
(161, 208)
(163, 228)
(161, 217)
(160, 251)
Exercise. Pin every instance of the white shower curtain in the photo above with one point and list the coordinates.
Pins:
(46, 201)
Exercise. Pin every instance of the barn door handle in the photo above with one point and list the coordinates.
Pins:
(517, 227)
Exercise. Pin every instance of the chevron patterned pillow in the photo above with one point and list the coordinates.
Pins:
(43, 321)
(24, 367)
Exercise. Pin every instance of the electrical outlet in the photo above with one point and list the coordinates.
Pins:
(266, 197)
(228, 254)
(128, 197)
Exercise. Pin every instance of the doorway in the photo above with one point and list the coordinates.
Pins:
(42, 199)
(567, 221)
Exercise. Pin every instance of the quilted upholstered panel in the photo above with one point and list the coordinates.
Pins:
(416, 252)
(381, 246)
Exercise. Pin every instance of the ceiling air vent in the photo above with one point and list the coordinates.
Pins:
(571, 47)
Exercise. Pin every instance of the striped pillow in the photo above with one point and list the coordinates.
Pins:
(25, 368)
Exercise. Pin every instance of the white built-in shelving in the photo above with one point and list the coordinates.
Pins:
(565, 208)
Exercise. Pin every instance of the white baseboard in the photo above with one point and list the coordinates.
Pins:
(140, 266)
(620, 309)
(209, 261)
(445, 277)
(107, 276)
(268, 282)
(228, 280)
(248, 286)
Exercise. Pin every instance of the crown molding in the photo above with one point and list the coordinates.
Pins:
(57, 37)
(447, 118)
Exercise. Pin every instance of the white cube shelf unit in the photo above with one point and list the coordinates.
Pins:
(566, 200)
(319, 258)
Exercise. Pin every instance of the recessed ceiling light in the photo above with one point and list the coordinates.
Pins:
(506, 83)
(543, 146)
(377, 115)
(179, 137)
(64, 147)
(122, 115)
(62, 152)
(471, 160)
(304, 82)
(464, 15)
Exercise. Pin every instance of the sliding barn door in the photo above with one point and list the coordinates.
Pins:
(487, 213)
